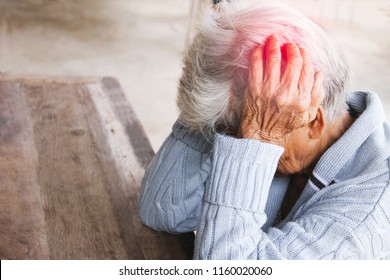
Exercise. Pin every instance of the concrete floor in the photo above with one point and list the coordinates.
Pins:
(141, 43)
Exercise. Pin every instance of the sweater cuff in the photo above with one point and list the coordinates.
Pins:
(242, 172)
(193, 139)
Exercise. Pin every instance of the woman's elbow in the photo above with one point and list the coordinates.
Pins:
(162, 221)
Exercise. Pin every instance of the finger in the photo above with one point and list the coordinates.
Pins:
(272, 57)
(256, 69)
(306, 78)
(317, 96)
(318, 90)
(292, 72)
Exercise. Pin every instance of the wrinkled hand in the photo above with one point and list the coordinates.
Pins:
(276, 100)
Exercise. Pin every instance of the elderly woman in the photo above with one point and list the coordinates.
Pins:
(272, 157)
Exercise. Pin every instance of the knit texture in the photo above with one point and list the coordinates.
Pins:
(227, 192)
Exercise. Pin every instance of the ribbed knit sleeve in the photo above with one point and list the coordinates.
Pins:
(242, 172)
(173, 186)
(234, 205)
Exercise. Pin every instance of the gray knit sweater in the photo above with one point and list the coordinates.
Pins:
(227, 192)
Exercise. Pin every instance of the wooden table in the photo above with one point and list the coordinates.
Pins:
(72, 156)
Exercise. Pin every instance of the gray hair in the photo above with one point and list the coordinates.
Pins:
(215, 70)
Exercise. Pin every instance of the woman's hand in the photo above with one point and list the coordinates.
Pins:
(276, 100)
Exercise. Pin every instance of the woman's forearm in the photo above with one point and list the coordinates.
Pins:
(173, 185)
(235, 200)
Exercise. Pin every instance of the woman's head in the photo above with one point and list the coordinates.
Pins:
(215, 70)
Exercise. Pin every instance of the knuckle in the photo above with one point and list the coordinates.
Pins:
(257, 55)
(296, 61)
(274, 56)
(307, 72)
(282, 100)
(300, 107)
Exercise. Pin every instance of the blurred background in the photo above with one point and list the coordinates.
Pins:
(141, 42)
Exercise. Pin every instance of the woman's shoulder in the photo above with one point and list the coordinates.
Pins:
(352, 202)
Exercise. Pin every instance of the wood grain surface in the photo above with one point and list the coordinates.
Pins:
(72, 157)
